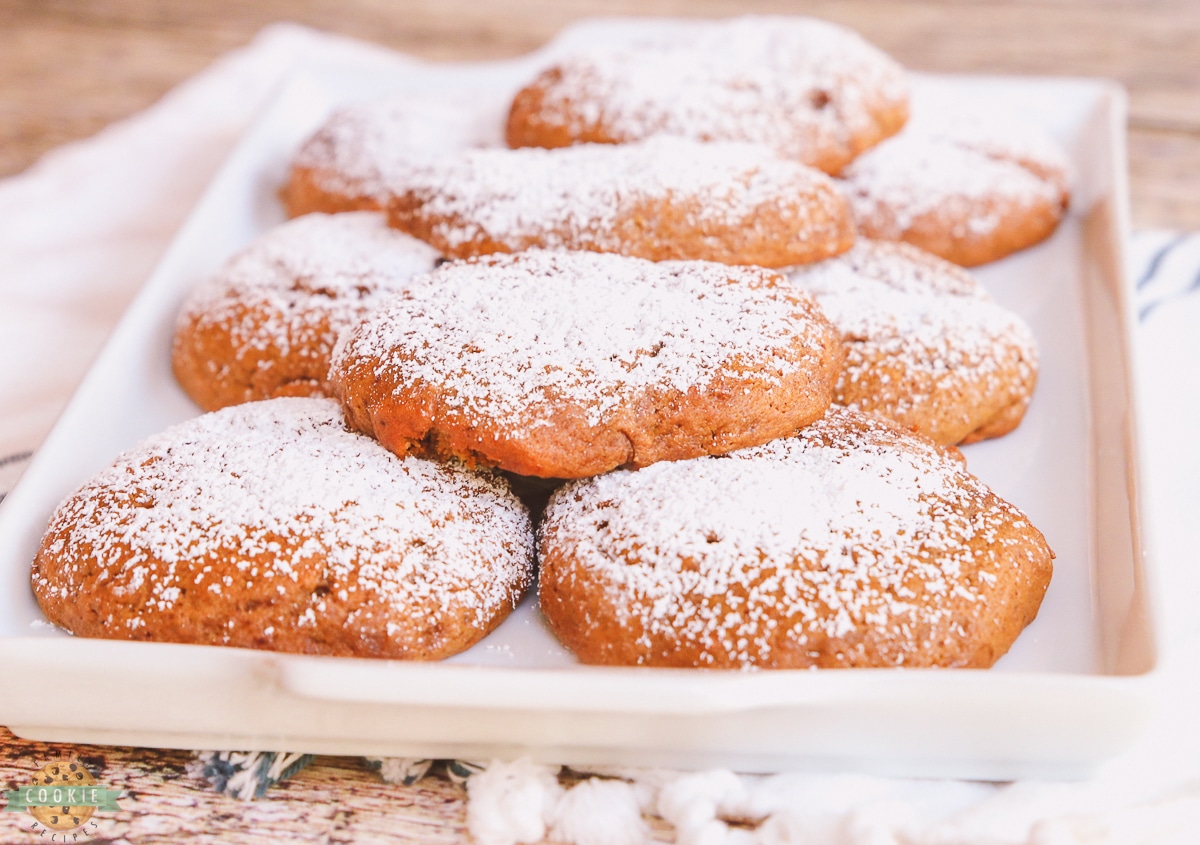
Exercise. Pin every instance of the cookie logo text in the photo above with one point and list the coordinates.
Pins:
(62, 798)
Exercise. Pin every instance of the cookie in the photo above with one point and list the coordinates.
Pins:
(363, 148)
(809, 90)
(270, 525)
(265, 324)
(68, 776)
(925, 344)
(567, 364)
(665, 198)
(850, 544)
(967, 185)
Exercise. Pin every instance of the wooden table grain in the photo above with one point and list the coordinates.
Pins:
(69, 68)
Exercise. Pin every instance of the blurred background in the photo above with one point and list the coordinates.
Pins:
(69, 68)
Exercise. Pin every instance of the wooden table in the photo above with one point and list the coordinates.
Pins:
(69, 68)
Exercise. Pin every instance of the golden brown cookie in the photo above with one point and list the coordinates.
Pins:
(351, 162)
(265, 324)
(270, 525)
(567, 364)
(811, 91)
(925, 344)
(851, 544)
(966, 185)
(68, 776)
(665, 198)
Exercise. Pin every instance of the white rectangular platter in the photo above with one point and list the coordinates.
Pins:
(1071, 693)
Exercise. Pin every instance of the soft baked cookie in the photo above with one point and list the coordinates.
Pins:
(363, 148)
(566, 364)
(265, 324)
(850, 544)
(811, 91)
(968, 185)
(664, 198)
(925, 344)
(270, 525)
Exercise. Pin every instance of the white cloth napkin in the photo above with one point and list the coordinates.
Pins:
(82, 229)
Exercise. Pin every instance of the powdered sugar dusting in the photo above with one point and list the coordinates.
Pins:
(953, 157)
(794, 84)
(514, 338)
(846, 525)
(891, 302)
(245, 498)
(363, 148)
(896, 265)
(999, 132)
(302, 282)
(580, 196)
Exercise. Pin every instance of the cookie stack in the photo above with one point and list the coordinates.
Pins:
(658, 303)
